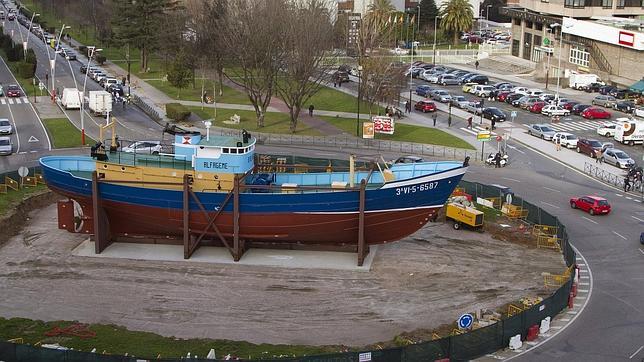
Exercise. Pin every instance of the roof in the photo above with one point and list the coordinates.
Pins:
(638, 87)
(598, 198)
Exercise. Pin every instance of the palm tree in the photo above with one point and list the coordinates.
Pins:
(457, 16)
(380, 10)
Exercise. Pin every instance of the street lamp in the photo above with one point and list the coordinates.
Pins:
(413, 41)
(435, 30)
(53, 62)
(553, 26)
(487, 15)
(26, 43)
(90, 52)
(359, 88)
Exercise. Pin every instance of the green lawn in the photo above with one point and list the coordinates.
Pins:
(12, 198)
(118, 340)
(406, 133)
(63, 134)
(274, 122)
(230, 95)
(26, 84)
(329, 99)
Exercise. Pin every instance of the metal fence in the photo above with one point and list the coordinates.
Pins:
(146, 108)
(610, 178)
(459, 347)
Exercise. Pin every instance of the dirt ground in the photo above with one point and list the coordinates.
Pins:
(424, 281)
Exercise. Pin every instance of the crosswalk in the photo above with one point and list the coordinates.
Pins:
(475, 129)
(574, 126)
(8, 100)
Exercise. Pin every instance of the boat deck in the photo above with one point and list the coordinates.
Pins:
(148, 160)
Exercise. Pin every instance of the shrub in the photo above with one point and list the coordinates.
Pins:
(31, 57)
(177, 111)
(82, 49)
(100, 59)
(15, 53)
(26, 70)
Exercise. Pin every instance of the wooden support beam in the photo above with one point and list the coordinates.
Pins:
(362, 249)
(101, 237)
(236, 243)
(186, 217)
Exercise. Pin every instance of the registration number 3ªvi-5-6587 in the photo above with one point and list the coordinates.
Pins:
(416, 188)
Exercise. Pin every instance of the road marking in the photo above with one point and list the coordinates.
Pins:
(10, 100)
(4, 101)
(641, 251)
(511, 179)
(17, 100)
(565, 320)
(636, 352)
(551, 205)
(583, 290)
(25, 100)
(629, 198)
(593, 221)
(620, 195)
(637, 218)
(583, 283)
(548, 188)
(468, 131)
(618, 234)
(33, 139)
(571, 312)
(516, 149)
(22, 153)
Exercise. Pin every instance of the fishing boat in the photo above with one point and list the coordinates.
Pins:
(215, 188)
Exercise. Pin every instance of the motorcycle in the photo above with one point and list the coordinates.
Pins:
(492, 162)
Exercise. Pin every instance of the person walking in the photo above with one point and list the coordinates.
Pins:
(311, 108)
(627, 184)
(497, 160)
(434, 118)
(558, 144)
(476, 65)
(598, 156)
(408, 106)
(449, 121)
(469, 122)
(493, 124)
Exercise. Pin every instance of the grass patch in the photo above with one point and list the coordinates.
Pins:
(12, 198)
(489, 214)
(118, 340)
(63, 134)
(230, 95)
(329, 99)
(26, 84)
(406, 133)
(274, 122)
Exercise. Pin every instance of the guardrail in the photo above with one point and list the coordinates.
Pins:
(146, 108)
(611, 178)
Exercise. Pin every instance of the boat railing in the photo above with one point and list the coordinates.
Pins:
(160, 160)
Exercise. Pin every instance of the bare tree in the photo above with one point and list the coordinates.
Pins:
(251, 33)
(308, 45)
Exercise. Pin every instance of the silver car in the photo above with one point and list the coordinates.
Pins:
(448, 79)
(604, 101)
(617, 157)
(542, 131)
(6, 148)
(474, 107)
(5, 126)
(459, 101)
(441, 95)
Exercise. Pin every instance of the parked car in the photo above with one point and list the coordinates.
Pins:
(13, 91)
(605, 101)
(341, 76)
(502, 95)
(625, 94)
(503, 85)
(423, 90)
(6, 147)
(485, 91)
(494, 113)
(459, 101)
(639, 111)
(433, 78)
(474, 107)
(513, 97)
(5, 126)
(534, 92)
(579, 108)
(568, 105)
(592, 87)
(542, 131)
(479, 79)
(566, 139)
(595, 113)
(624, 106)
(594, 205)
(520, 90)
(467, 87)
(148, 147)
(441, 95)
(606, 89)
(425, 106)
(607, 129)
(528, 104)
(552, 110)
(537, 107)
(448, 79)
(617, 158)
(106, 82)
(116, 88)
(588, 146)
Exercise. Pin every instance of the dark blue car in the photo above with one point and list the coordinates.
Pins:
(423, 90)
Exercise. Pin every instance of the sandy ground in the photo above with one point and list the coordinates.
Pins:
(421, 282)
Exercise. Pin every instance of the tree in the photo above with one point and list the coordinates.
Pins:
(307, 62)
(209, 45)
(428, 13)
(457, 16)
(140, 24)
(180, 75)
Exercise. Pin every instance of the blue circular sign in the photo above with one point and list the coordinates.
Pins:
(465, 321)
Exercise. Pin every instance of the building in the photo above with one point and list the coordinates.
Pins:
(604, 37)
(362, 6)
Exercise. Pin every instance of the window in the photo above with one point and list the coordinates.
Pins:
(576, 4)
(620, 4)
(538, 26)
(517, 21)
(579, 56)
(607, 4)
(528, 24)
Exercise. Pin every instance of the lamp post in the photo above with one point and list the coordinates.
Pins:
(487, 15)
(553, 27)
(435, 30)
(48, 57)
(359, 89)
(53, 62)
(26, 43)
(91, 50)
(127, 57)
(549, 55)
(413, 41)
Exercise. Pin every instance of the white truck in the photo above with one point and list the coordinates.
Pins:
(579, 81)
(629, 131)
(71, 98)
(100, 103)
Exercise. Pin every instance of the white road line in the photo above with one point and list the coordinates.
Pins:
(468, 131)
(551, 205)
(17, 100)
(582, 290)
(516, 149)
(593, 221)
(33, 151)
(618, 234)
(636, 352)
(10, 100)
(553, 190)
(565, 320)
(641, 251)
(629, 198)
(637, 218)
(4, 101)
(583, 283)
(620, 195)
(511, 179)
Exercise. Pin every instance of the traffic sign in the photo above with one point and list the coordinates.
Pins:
(546, 41)
(23, 171)
(513, 114)
(41, 86)
(465, 321)
(499, 138)
(483, 136)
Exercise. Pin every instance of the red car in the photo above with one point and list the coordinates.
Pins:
(502, 96)
(425, 106)
(594, 205)
(569, 105)
(595, 113)
(13, 91)
(537, 107)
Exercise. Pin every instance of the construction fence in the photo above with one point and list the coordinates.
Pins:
(456, 347)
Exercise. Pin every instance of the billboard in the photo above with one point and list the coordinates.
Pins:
(383, 124)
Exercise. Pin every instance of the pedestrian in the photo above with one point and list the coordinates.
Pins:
(493, 124)
(497, 160)
(123, 81)
(627, 183)
(449, 121)
(408, 106)
(469, 122)
(434, 118)
(476, 65)
(598, 156)
(311, 108)
(335, 82)
(558, 143)
(124, 102)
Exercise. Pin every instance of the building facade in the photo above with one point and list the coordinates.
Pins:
(604, 37)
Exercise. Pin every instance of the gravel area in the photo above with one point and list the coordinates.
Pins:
(421, 282)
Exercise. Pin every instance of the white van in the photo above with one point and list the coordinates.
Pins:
(534, 92)
(629, 131)
(71, 98)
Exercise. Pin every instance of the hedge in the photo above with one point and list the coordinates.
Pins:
(100, 59)
(26, 70)
(177, 111)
